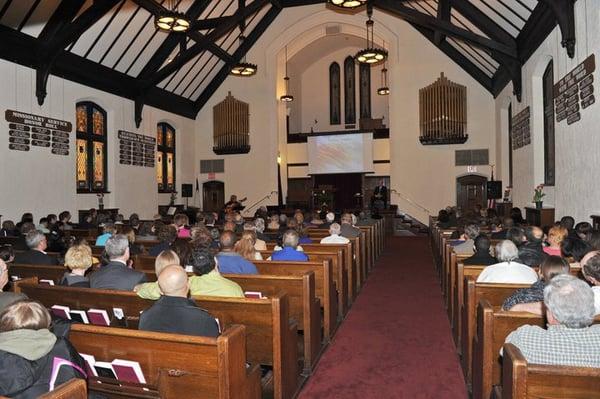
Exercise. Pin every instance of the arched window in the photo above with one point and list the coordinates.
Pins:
(349, 91)
(165, 157)
(334, 94)
(91, 148)
(548, 84)
(510, 147)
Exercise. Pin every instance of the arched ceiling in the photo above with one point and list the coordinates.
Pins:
(112, 44)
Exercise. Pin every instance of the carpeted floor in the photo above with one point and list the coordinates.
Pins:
(396, 340)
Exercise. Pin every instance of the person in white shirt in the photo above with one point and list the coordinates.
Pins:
(508, 270)
(334, 237)
(590, 267)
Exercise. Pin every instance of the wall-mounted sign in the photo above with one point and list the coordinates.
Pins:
(575, 91)
(521, 129)
(136, 149)
(25, 130)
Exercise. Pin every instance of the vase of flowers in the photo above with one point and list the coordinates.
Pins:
(538, 196)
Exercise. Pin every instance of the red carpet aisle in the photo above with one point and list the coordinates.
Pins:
(396, 340)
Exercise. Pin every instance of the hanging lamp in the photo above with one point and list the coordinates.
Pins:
(286, 97)
(371, 55)
(347, 4)
(243, 68)
(171, 20)
(384, 90)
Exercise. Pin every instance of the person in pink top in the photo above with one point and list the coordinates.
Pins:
(556, 235)
(181, 221)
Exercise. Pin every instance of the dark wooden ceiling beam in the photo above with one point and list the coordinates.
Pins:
(432, 23)
(564, 12)
(443, 14)
(482, 22)
(241, 51)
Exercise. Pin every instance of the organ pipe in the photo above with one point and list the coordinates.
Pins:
(231, 122)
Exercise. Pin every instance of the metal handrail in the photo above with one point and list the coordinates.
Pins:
(399, 194)
(268, 196)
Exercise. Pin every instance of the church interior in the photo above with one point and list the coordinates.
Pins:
(299, 199)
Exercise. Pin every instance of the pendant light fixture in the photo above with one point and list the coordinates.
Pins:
(287, 97)
(371, 55)
(243, 68)
(347, 4)
(171, 20)
(384, 90)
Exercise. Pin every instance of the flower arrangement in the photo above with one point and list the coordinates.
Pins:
(538, 193)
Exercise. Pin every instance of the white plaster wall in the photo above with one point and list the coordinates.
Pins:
(44, 183)
(576, 191)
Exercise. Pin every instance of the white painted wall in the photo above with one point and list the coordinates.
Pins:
(44, 183)
(576, 191)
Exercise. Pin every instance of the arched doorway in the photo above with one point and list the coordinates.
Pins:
(213, 196)
(471, 191)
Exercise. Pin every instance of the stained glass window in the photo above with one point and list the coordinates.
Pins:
(91, 148)
(165, 157)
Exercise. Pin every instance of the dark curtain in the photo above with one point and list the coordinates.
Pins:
(345, 185)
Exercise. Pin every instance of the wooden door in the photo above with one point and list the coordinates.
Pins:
(471, 191)
(213, 196)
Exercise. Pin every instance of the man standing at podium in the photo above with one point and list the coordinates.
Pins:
(379, 196)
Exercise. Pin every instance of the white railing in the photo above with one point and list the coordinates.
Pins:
(410, 201)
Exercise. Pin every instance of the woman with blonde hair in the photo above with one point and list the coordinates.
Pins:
(151, 290)
(556, 236)
(78, 260)
(245, 246)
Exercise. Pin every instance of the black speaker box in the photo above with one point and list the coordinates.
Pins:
(494, 189)
(187, 191)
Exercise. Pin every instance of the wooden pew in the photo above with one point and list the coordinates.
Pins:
(45, 272)
(463, 271)
(493, 326)
(210, 367)
(73, 389)
(522, 380)
(324, 287)
(272, 338)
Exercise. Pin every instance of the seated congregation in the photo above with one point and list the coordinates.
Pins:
(224, 278)
(531, 292)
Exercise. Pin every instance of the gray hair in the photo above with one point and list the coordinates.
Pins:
(259, 225)
(290, 239)
(283, 218)
(34, 238)
(472, 231)
(335, 228)
(570, 300)
(249, 226)
(116, 246)
(329, 217)
(506, 251)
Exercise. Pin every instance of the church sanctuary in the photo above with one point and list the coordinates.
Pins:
(299, 199)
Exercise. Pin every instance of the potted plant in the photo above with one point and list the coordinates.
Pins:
(538, 196)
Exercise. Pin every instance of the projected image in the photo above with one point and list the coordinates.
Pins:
(347, 153)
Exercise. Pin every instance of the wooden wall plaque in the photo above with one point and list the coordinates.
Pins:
(575, 91)
(26, 130)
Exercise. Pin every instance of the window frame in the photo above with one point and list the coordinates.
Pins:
(90, 139)
(549, 125)
(162, 147)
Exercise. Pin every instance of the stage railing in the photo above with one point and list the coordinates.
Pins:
(410, 201)
(268, 196)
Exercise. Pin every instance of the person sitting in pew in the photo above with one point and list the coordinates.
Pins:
(531, 252)
(43, 225)
(166, 235)
(261, 237)
(29, 353)
(208, 280)
(575, 248)
(334, 236)
(347, 229)
(508, 270)
(146, 232)
(259, 245)
(36, 255)
(246, 246)
(482, 252)
(116, 275)
(7, 297)
(6, 253)
(273, 224)
(181, 222)
(507, 224)
(78, 259)
(584, 231)
(556, 236)
(530, 299)
(570, 338)
(516, 235)
(8, 229)
(468, 237)
(174, 312)
(590, 267)
(290, 250)
(229, 260)
(329, 218)
(108, 231)
(150, 290)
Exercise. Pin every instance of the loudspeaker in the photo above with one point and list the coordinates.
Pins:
(187, 191)
(494, 189)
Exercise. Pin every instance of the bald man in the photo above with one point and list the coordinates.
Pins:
(174, 312)
(230, 262)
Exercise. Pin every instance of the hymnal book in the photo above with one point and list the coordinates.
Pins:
(46, 282)
(127, 370)
(253, 294)
(105, 369)
(79, 315)
(89, 364)
(98, 317)
(61, 311)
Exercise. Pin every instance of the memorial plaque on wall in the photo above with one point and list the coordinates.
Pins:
(575, 92)
(25, 130)
(521, 129)
(136, 149)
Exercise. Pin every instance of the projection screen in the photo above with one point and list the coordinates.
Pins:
(340, 153)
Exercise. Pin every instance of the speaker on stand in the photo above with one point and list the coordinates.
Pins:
(187, 191)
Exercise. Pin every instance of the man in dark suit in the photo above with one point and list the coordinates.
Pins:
(174, 312)
(347, 230)
(116, 275)
(482, 252)
(507, 224)
(37, 243)
(380, 194)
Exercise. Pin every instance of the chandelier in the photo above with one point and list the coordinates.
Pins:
(371, 55)
(347, 4)
(384, 90)
(171, 20)
(243, 68)
(286, 97)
